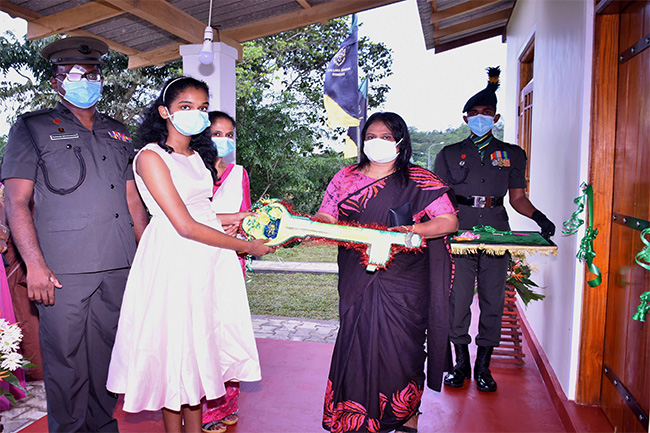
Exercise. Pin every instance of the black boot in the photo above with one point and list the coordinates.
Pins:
(462, 369)
(482, 375)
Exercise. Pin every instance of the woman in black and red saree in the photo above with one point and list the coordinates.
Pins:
(377, 376)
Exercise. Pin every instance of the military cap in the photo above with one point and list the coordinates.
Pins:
(75, 50)
(486, 97)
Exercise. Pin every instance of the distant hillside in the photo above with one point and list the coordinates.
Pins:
(426, 145)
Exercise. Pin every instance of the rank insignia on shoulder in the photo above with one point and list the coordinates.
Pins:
(119, 136)
(500, 158)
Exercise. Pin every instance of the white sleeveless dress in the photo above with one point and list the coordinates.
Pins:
(185, 325)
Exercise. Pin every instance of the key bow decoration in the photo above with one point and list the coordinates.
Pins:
(274, 221)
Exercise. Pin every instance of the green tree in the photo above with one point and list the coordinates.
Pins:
(281, 130)
(279, 156)
(295, 62)
(3, 143)
(126, 92)
(426, 145)
(282, 133)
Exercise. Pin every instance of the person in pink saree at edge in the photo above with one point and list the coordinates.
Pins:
(377, 373)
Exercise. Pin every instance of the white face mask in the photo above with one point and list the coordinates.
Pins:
(224, 145)
(380, 150)
(189, 122)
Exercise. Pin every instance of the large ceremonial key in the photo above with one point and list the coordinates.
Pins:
(274, 222)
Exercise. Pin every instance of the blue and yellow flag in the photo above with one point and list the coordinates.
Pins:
(353, 140)
(341, 81)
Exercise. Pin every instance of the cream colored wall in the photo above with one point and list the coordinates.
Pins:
(561, 106)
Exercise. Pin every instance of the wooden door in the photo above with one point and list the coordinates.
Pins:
(625, 381)
(526, 125)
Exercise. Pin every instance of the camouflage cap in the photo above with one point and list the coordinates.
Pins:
(75, 50)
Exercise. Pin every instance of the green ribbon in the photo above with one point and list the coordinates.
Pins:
(586, 251)
(643, 258)
(572, 225)
(488, 229)
(586, 254)
(249, 268)
(642, 309)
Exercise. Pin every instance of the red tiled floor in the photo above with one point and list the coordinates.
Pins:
(289, 399)
(290, 396)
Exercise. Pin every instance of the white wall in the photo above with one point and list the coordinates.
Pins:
(560, 143)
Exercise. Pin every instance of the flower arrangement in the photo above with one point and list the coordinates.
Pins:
(266, 222)
(519, 277)
(10, 359)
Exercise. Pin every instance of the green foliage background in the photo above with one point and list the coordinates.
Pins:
(426, 145)
(283, 141)
(282, 137)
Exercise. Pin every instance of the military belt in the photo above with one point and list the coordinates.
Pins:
(479, 201)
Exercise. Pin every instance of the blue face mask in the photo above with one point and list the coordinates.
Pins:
(190, 122)
(480, 124)
(224, 145)
(82, 93)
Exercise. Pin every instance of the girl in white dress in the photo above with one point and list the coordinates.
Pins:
(184, 326)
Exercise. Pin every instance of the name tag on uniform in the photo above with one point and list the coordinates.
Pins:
(500, 158)
(65, 136)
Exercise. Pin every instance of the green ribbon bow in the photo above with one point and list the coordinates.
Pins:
(642, 309)
(572, 225)
(586, 251)
(643, 260)
(488, 229)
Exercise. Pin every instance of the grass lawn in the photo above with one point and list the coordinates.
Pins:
(305, 252)
(308, 296)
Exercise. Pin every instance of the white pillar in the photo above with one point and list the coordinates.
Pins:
(219, 76)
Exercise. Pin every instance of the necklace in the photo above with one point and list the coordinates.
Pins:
(377, 174)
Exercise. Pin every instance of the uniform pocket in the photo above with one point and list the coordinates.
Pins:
(67, 224)
(64, 168)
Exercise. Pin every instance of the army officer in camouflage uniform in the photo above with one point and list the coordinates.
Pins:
(481, 170)
(74, 164)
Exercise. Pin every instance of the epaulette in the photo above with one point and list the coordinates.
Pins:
(35, 113)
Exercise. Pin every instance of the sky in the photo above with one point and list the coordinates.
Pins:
(428, 90)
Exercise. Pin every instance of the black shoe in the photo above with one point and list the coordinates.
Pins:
(462, 370)
(482, 375)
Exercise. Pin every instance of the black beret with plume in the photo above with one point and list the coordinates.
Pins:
(487, 96)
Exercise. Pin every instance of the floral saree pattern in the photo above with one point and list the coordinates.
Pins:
(377, 374)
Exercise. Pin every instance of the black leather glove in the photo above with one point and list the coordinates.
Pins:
(547, 226)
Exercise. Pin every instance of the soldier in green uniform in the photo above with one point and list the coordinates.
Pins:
(481, 170)
(74, 164)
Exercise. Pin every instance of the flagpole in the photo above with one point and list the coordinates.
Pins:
(358, 145)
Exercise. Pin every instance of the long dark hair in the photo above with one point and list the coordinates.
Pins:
(400, 131)
(153, 128)
(215, 115)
